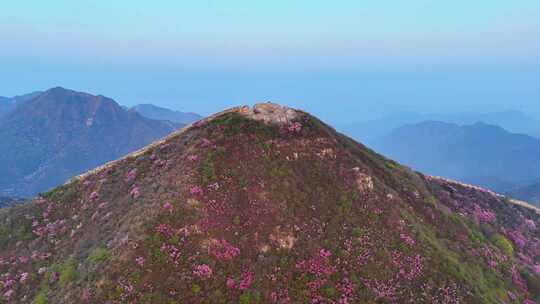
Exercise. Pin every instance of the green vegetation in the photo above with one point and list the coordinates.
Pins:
(196, 289)
(42, 295)
(476, 236)
(67, 272)
(245, 298)
(98, 255)
(208, 168)
(503, 244)
(431, 200)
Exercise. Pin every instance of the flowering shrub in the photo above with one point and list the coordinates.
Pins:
(382, 290)
(224, 251)
(135, 193)
(131, 175)
(530, 225)
(407, 239)
(517, 279)
(517, 238)
(318, 265)
(295, 127)
(484, 215)
(93, 195)
(409, 268)
(246, 280)
(140, 261)
(168, 207)
(203, 271)
(536, 269)
(230, 283)
(196, 190)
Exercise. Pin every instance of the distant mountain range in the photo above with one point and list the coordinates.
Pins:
(511, 120)
(481, 154)
(49, 137)
(530, 193)
(7, 201)
(159, 113)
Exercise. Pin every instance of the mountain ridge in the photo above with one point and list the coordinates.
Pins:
(480, 153)
(60, 132)
(155, 112)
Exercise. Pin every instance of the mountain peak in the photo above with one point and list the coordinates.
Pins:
(270, 112)
(64, 134)
(267, 112)
(266, 204)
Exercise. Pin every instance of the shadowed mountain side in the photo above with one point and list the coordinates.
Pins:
(62, 133)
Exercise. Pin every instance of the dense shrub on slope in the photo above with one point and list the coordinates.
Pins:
(266, 206)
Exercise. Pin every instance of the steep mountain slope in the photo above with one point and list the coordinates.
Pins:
(480, 154)
(529, 193)
(154, 112)
(62, 133)
(266, 205)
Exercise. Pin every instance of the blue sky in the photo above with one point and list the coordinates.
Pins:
(343, 60)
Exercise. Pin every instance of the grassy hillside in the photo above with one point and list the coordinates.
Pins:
(252, 206)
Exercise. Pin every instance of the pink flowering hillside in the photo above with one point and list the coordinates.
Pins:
(267, 205)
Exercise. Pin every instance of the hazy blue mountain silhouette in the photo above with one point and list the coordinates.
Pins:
(61, 133)
(482, 154)
(154, 112)
(530, 193)
(511, 120)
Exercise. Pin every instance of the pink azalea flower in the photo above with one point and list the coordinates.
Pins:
(93, 195)
(407, 239)
(512, 296)
(295, 127)
(135, 193)
(518, 239)
(325, 253)
(224, 251)
(530, 224)
(8, 294)
(230, 283)
(536, 269)
(484, 216)
(168, 207)
(246, 281)
(131, 175)
(140, 261)
(196, 190)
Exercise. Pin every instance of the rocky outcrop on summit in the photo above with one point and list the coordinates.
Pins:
(270, 113)
(266, 205)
